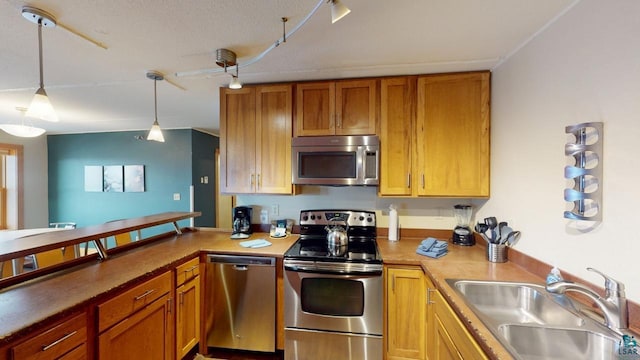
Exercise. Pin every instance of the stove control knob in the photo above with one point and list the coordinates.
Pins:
(361, 218)
(313, 217)
(305, 218)
(369, 219)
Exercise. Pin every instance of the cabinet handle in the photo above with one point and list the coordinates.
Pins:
(339, 119)
(429, 302)
(409, 180)
(393, 283)
(169, 305)
(191, 269)
(251, 180)
(181, 298)
(259, 183)
(65, 337)
(422, 180)
(145, 294)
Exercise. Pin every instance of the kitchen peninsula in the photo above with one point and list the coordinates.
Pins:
(84, 290)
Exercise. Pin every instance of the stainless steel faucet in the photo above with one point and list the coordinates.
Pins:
(613, 305)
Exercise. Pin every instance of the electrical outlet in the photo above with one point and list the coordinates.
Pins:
(176, 196)
(275, 210)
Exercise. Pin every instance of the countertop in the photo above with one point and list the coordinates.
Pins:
(461, 262)
(23, 307)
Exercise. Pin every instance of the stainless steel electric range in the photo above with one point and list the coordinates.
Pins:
(333, 303)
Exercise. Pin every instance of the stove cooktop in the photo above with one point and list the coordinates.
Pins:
(316, 249)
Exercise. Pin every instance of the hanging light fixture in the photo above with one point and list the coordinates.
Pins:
(22, 130)
(40, 107)
(338, 10)
(226, 58)
(155, 133)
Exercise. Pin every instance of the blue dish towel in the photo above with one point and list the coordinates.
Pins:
(258, 243)
(432, 248)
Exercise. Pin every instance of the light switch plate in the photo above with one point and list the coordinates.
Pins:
(176, 196)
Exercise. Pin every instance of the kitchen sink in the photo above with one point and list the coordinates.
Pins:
(520, 303)
(534, 324)
(534, 342)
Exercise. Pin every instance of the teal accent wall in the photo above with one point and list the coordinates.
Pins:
(169, 169)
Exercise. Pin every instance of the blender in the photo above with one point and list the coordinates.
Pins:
(462, 234)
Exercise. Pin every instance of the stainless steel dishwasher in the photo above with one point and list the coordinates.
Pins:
(242, 302)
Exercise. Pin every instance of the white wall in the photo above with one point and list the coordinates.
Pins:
(584, 67)
(36, 212)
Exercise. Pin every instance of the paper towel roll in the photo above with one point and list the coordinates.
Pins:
(393, 223)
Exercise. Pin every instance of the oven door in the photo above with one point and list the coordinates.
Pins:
(333, 302)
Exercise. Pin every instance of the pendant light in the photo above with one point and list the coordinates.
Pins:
(40, 107)
(22, 130)
(155, 133)
(338, 10)
(235, 82)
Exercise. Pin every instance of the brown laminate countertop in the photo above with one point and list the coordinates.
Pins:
(461, 262)
(25, 306)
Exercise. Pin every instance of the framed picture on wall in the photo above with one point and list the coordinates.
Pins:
(93, 178)
(112, 180)
(134, 178)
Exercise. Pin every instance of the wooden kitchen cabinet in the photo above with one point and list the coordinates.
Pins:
(255, 139)
(405, 312)
(346, 107)
(447, 337)
(139, 323)
(397, 122)
(188, 307)
(434, 135)
(452, 135)
(65, 341)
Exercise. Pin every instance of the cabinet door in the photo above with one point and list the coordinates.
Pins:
(187, 316)
(315, 109)
(237, 140)
(453, 135)
(397, 109)
(452, 337)
(143, 335)
(356, 105)
(273, 139)
(406, 313)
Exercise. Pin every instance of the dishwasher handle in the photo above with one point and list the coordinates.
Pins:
(241, 260)
(241, 267)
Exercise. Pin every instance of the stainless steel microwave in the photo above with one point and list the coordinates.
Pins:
(335, 160)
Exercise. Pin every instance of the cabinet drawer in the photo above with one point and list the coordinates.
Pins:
(55, 342)
(123, 305)
(187, 271)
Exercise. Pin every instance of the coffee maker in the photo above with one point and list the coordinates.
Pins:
(241, 222)
(462, 234)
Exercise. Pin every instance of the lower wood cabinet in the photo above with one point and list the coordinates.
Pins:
(447, 337)
(65, 341)
(139, 323)
(405, 312)
(188, 307)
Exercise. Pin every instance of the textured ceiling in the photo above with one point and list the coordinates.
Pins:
(93, 89)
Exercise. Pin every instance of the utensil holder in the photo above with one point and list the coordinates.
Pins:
(497, 253)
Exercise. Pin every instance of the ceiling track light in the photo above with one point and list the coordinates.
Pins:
(155, 134)
(338, 10)
(40, 107)
(226, 58)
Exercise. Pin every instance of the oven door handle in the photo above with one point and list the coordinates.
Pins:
(311, 268)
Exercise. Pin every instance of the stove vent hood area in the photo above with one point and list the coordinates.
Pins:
(336, 160)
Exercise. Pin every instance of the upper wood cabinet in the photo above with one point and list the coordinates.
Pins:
(346, 107)
(255, 139)
(434, 135)
(397, 122)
